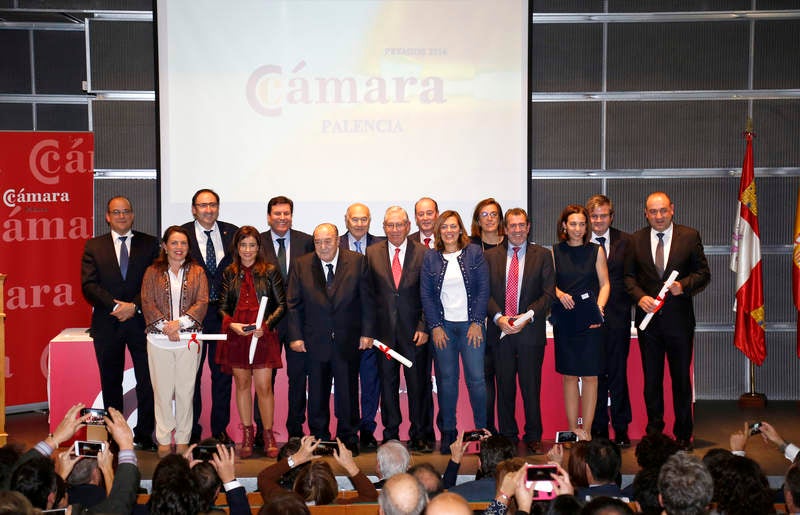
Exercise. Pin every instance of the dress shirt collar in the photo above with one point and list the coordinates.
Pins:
(667, 233)
(115, 235)
(334, 262)
(275, 237)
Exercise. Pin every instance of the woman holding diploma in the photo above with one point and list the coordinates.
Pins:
(581, 278)
(244, 283)
(454, 289)
(174, 301)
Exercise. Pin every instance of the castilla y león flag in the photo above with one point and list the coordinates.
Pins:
(746, 263)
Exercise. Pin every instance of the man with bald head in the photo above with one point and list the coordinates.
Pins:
(657, 250)
(330, 318)
(402, 494)
(357, 239)
(448, 503)
(426, 211)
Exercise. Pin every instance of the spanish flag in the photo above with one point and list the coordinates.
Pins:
(749, 335)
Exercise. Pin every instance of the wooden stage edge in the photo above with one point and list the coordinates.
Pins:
(714, 423)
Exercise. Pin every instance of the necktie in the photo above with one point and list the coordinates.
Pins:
(428, 242)
(660, 254)
(282, 259)
(512, 283)
(358, 247)
(602, 241)
(397, 270)
(211, 265)
(123, 256)
(329, 278)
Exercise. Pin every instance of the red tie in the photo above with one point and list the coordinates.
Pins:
(397, 270)
(428, 242)
(512, 283)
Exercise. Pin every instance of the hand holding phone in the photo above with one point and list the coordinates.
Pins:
(540, 479)
(755, 428)
(326, 448)
(96, 416)
(88, 448)
(566, 436)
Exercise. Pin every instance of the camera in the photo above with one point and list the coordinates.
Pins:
(540, 479)
(326, 448)
(566, 436)
(96, 416)
(473, 436)
(755, 428)
(88, 448)
(204, 452)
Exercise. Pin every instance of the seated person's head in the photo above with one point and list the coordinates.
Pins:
(495, 449)
(284, 504)
(14, 503)
(684, 485)
(402, 494)
(316, 483)
(645, 491)
(563, 505)
(791, 489)
(37, 480)
(716, 460)
(653, 450)
(289, 448)
(606, 506)
(208, 483)
(603, 461)
(393, 458)
(576, 465)
(429, 477)
(85, 472)
(502, 469)
(175, 489)
(9, 454)
(743, 488)
(448, 503)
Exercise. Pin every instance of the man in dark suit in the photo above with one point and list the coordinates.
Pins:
(617, 334)
(112, 269)
(426, 211)
(209, 245)
(282, 247)
(521, 278)
(330, 318)
(394, 268)
(655, 252)
(357, 239)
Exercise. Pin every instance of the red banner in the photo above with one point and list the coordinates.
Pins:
(46, 181)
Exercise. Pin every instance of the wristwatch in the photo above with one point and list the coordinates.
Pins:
(290, 462)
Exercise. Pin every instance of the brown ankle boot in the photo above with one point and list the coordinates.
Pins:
(270, 445)
(248, 435)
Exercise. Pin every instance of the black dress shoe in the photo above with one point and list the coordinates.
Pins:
(144, 443)
(685, 445)
(223, 438)
(599, 434)
(419, 445)
(368, 442)
(621, 439)
(534, 448)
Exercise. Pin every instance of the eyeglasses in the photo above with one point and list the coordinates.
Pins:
(121, 212)
(489, 214)
(204, 205)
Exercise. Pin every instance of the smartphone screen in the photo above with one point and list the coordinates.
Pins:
(88, 449)
(566, 436)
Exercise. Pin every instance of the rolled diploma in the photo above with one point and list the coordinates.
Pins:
(188, 336)
(528, 315)
(393, 353)
(671, 279)
(262, 307)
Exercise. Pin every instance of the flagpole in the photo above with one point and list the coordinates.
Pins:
(752, 399)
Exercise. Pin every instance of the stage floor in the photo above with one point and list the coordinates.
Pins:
(714, 423)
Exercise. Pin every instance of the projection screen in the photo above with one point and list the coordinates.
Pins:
(331, 102)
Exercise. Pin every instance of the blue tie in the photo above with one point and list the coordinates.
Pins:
(211, 265)
(358, 247)
(123, 256)
(329, 278)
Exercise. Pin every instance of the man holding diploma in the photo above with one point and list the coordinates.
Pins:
(655, 252)
(521, 279)
(330, 318)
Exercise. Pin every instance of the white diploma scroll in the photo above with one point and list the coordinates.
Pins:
(660, 299)
(262, 307)
(528, 315)
(190, 336)
(392, 353)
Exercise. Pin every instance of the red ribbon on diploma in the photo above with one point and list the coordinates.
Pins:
(193, 339)
(385, 351)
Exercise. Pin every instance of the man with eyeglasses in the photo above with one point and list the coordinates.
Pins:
(112, 269)
(209, 242)
(357, 239)
(394, 267)
(330, 318)
(613, 383)
(426, 211)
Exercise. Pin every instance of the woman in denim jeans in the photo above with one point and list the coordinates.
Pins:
(454, 287)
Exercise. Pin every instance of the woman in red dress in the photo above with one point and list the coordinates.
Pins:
(244, 283)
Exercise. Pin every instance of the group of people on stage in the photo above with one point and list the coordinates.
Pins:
(435, 296)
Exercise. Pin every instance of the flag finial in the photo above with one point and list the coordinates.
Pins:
(748, 127)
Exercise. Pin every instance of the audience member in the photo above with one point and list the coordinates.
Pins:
(448, 503)
(684, 485)
(14, 503)
(291, 447)
(742, 488)
(493, 450)
(175, 490)
(393, 458)
(603, 463)
(645, 491)
(9, 454)
(284, 504)
(219, 474)
(402, 494)
(506, 475)
(791, 489)
(654, 449)
(429, 477)
(90, 479)
(606, 506)
(769, 434)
